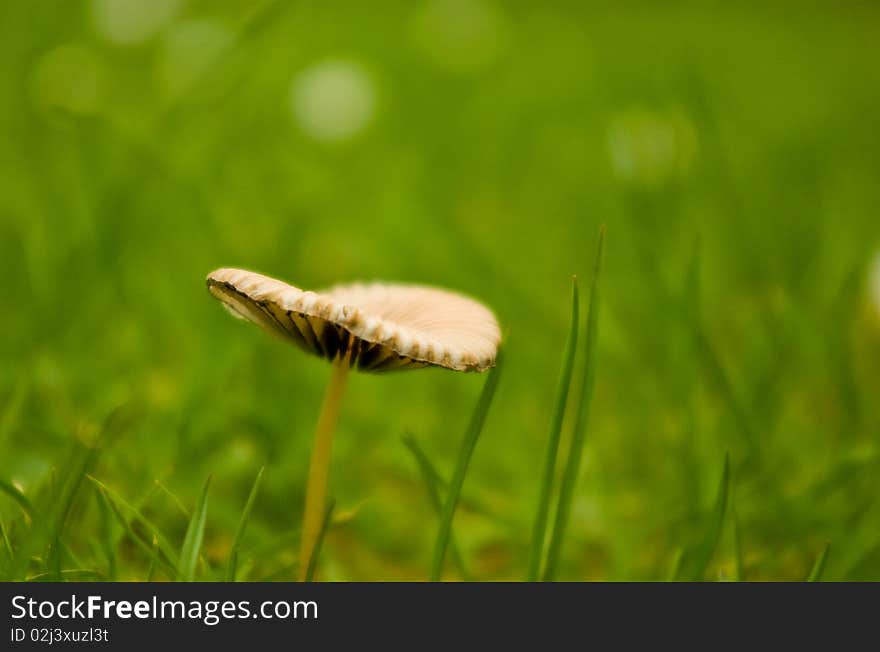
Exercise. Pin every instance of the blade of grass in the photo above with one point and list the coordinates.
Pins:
(107, 543)
(12, 491)
(7, 545)
(325, 524)
(704, 552)
(468, 444)
(819, 566)
(675, 566)
(154, 560)
(575, 452)
(69, 574)
(169, 563)
(173, 497)
(192, 542)
(539, 529)
(430, 477)
(115, 501)
(739, 568)
(242, 524)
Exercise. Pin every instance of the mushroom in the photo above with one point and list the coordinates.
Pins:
(370, 327)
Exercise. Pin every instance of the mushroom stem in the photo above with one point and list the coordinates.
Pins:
(319, 464)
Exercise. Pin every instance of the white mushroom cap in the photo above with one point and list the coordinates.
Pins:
(377, 326)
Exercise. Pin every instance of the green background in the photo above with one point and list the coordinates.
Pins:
(733, 153)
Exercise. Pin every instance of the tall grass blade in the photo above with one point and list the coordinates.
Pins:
(739, 568)
(154, 559)
(464, 457)
(819, 566)
(575, 453)
(7, 544)
(433, 484)
(675, 566)
(325, 524)
(192, 542)
(242, 525)
(703, 554)
(539, 529)
(107, 541)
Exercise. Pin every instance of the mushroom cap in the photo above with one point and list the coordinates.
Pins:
(375, 326)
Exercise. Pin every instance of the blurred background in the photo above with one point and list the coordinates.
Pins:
(732, 151)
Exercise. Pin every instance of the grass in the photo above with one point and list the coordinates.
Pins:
(571, 473)
(819, 567)
(468, 444)
(703, 553)
(536, 550)
(734, 166)
(195, 533)
(242, 525)
(325, 525)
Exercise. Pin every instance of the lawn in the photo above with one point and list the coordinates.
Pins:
(732, 152)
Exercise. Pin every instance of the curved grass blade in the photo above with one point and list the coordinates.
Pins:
(539, 529)
(178, 503)
(675, 566)
(703, 554)
(468, 444)
(242, 524)
(166, 560)
(192, 542)
(325, 524)
(430, 476)
(575, 453)
(819, 566)
(69, 574)
(115, 501)
(12, 491)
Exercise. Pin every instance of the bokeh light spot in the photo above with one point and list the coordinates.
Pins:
(334, 100)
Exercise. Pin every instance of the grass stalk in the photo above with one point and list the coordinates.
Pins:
(819, 567)
(465, 452)
(575, 453)
(242, 525)
(539, 529)
(195, 532)
(434, 485)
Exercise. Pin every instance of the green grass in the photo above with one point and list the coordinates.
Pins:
(539, 530)
(235, 550)
(468, 444)
(325, 525)
(819, 567)
(192, 542)
(571, 474)
(736, 169)
(435, 485)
